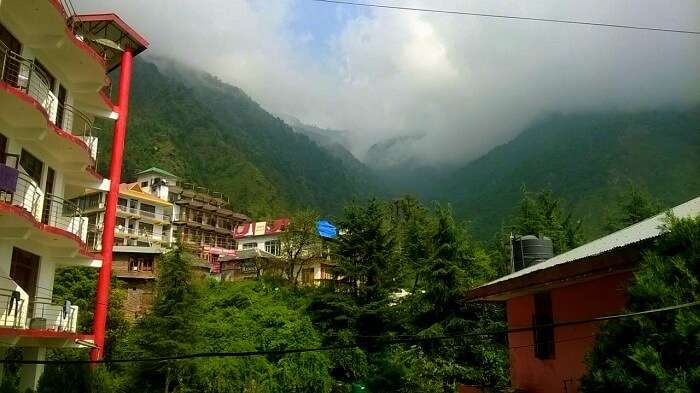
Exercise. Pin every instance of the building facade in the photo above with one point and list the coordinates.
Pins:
(203, 221)
(143, 232)
(147, 225)
(266, 238)
(53, 85)
(588, 282)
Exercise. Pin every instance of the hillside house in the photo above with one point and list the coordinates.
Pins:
(587, 282)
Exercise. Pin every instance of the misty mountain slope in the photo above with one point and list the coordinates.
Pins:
(216, 135)
(588, 159)
(333, 141)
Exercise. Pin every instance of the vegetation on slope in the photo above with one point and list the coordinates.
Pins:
(206, 131)
(587, 159)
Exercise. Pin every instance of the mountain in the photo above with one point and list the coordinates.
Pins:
(334, 141)
(393, 160)
(212, 133)
(588, 159)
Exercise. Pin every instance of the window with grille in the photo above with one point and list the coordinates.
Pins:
(543, 334)
(274, 247)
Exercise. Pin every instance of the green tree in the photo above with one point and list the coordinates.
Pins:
(635, 204)
(655, 352)
(78, 285)
(366, 252)
(542, 213)
(168, 329)
(300, 243)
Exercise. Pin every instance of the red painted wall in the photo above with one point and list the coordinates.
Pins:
(598, 297)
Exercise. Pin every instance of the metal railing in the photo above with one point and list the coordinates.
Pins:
(144, 213)
(77, 123)
(131, 235)
(45, 315)
(63, 214)
(198, 240)
(46, 208)
(25, 75)
(14, 308)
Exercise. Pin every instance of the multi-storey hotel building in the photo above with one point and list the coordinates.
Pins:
(54, 83)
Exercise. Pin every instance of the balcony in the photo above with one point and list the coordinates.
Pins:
(32, 114)
(43, 27)
(134, 238)
(31, 216)
(145, 215)
(21, 313)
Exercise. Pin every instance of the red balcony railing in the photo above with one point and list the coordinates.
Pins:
(23, 74)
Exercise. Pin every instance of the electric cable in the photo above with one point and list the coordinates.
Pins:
(374, 342)
(499, 16)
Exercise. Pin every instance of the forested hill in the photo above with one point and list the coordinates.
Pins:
(588, 160)
(195, 126)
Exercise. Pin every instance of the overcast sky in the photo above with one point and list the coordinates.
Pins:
(467, 83)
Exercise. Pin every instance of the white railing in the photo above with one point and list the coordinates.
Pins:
(46, 315)
(143, 213)
(46, 208)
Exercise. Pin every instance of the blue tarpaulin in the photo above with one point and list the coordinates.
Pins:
(326, 229)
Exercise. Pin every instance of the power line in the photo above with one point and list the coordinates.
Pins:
(526, 18)
(370, 340)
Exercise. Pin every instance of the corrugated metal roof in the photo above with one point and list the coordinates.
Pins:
(643, 230)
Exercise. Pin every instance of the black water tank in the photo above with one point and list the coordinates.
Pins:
(529, 250)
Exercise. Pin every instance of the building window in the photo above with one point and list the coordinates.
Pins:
(146, 229)
(148, 210)
(50, 79)
(274, 247)
(543, 335)
(31, 165)
(307, 275)
(144, 184)
(247, 246)
(140, 265)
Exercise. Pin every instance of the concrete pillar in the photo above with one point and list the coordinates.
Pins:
(30, 373)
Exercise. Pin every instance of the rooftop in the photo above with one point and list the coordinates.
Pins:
(159, 171)
(641, 231)
(133, 190)
(109, 35)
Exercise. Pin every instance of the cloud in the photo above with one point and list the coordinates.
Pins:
(465, 83)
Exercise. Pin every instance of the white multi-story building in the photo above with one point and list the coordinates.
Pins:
(53, 84)
(266, 237)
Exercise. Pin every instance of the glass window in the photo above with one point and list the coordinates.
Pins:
(274, 247)
(146, 229)
(247, 246)
(144, 184)
(543, 336)
(31, 165)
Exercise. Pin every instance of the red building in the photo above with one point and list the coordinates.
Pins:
(584, 283)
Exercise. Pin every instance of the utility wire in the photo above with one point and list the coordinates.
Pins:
(484, 15)
(374, 341)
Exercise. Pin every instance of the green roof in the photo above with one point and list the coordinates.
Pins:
(157, 170)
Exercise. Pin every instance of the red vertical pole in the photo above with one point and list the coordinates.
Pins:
(110, 217)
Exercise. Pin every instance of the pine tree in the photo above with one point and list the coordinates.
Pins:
(367, 258)
(169, 328)
(655, 352)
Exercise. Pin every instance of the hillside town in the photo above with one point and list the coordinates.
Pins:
(120, 274)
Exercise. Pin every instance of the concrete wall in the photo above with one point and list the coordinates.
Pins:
(598, 297)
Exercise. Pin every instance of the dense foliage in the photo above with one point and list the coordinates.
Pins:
(203, 130)
(588, 159)
(655, 352)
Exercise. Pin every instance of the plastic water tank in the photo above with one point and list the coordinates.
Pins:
(529, 250)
